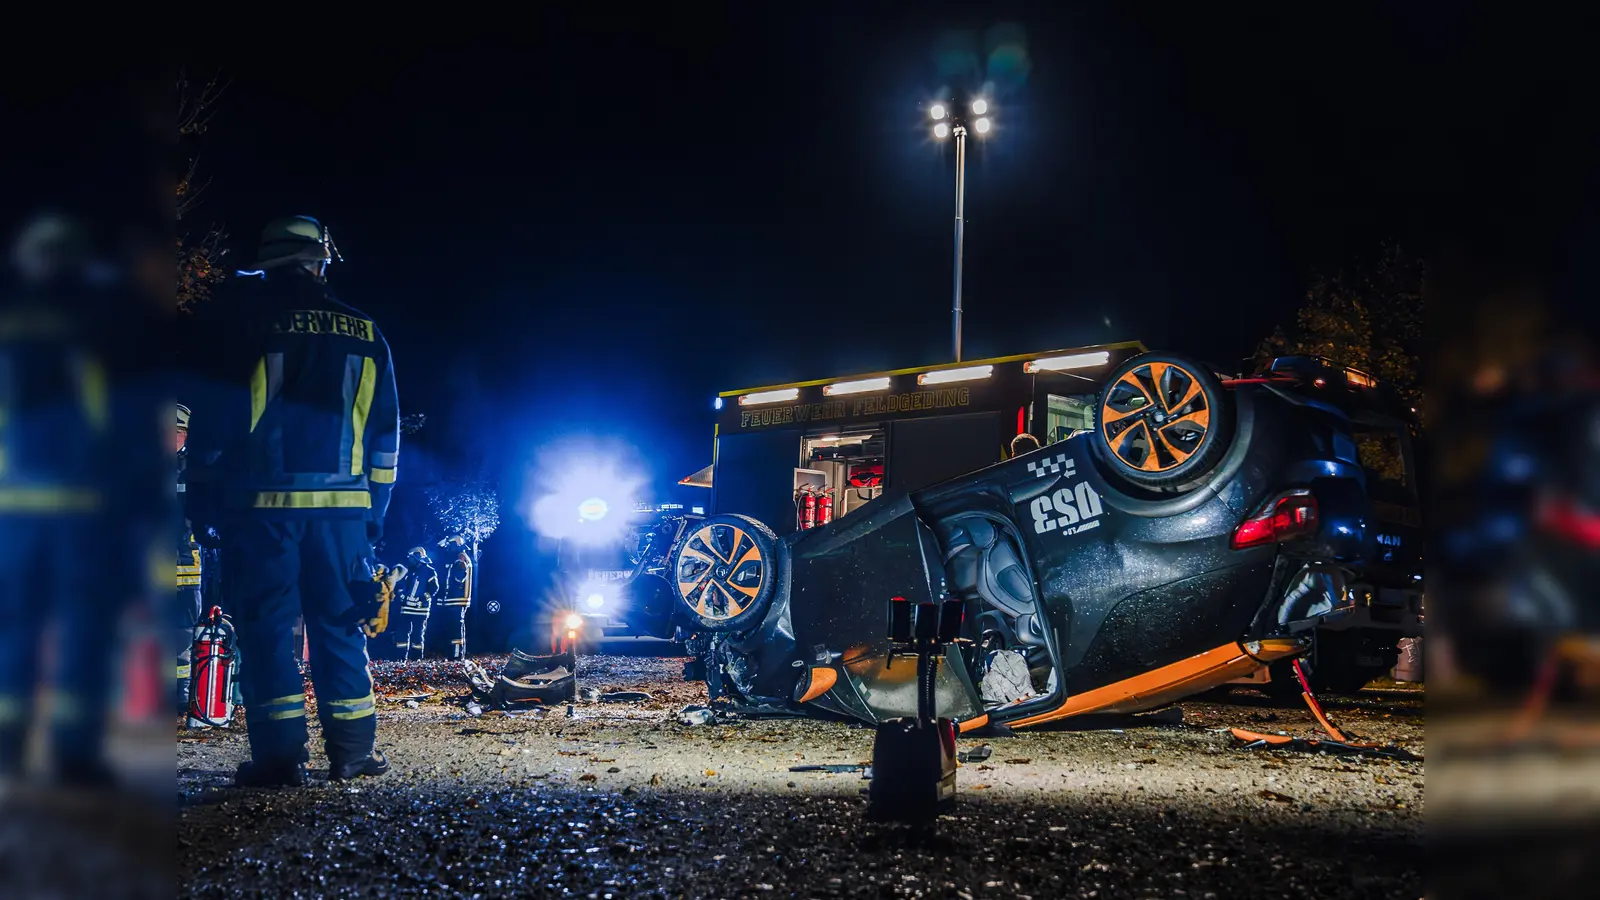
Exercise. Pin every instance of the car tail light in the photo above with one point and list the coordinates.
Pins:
(1289, 515)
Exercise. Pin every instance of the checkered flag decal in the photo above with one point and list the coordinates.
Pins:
(1044, 468)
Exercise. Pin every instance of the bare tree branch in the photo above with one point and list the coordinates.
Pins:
(200, 267)
(197, 107)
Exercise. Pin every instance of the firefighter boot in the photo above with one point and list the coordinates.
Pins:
(372, 765)
(278, 773)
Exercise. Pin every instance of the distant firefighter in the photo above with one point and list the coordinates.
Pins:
(457, 593)
(415, 601)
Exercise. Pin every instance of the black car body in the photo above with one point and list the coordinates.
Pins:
(1196, 531)
(1387, 587)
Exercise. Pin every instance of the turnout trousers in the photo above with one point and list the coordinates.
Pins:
(185, 613)
(278, 571)
(47, 584)
(410, 631)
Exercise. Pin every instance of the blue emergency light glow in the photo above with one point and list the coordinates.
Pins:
(580, 493)
(717, 403)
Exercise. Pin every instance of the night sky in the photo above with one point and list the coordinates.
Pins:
(594, 228)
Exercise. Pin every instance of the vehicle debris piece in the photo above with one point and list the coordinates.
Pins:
(626, 697)
(833, 768)
(694, 714)
(976, 754)
(1256, 741)
(408, 699)
(525, 680)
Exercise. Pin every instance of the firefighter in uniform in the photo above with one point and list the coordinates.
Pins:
(186, 604)
(457, 592)
(416, 602)
(56, 415)
(300, 447)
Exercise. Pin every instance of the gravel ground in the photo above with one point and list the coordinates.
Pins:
(620, 800)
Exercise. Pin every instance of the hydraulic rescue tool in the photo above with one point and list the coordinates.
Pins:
(914, 759)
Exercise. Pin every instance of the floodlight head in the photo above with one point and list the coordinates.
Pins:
(941, 130)
(937, 111)
(980, 106)
(982, 125)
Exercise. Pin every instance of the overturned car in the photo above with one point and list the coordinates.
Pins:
(1185, 531)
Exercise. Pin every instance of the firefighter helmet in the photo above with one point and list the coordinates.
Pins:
(295, 240)
(418, 553)
(183, 417)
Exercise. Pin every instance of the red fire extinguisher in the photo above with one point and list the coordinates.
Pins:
(825, 507)
(211, 664)
(808, 509)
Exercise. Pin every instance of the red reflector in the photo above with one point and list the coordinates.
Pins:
(1289, 515)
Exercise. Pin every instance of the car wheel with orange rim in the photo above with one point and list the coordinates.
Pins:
(1162, 421)
(725, 571)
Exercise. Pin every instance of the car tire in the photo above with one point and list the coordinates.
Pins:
(725, 572)
(1162, 422)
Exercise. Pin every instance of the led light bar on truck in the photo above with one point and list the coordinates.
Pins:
(950, 376)
(778, 396)
(1062, 363)
(856, 387)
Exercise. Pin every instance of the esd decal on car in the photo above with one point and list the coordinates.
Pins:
(1070, 509)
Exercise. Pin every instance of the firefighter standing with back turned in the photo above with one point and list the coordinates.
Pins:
(416, 602)
(457, 592)
(299, 454)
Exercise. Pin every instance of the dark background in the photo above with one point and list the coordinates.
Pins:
(577, 243)
(575, 231)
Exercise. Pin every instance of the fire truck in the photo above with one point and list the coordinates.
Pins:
(800, 455)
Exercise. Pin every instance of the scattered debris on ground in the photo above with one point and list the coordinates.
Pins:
(624, 798)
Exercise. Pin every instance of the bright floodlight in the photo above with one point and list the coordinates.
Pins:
(941, 130)
(982, 125)
(574, 621)
(937, 111)
(979, 107)
(595, 601)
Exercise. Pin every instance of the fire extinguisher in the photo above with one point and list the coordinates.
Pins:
(825, 507)
(808, 509)
(211, 664)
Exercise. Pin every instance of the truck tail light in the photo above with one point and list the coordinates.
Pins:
(1289, 515)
